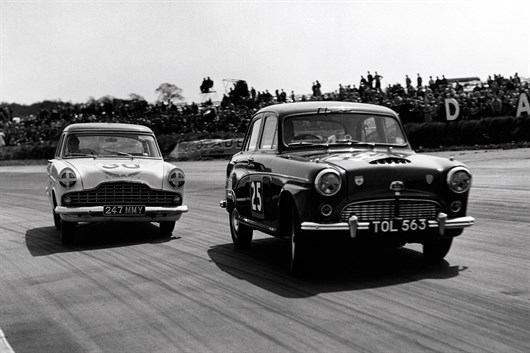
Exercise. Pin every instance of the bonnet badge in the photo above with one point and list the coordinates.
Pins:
(429, 178)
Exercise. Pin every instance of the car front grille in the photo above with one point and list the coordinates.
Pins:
(390, 209)
(122, 194)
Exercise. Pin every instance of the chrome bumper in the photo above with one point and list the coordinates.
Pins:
(353, 225)
(95, 214)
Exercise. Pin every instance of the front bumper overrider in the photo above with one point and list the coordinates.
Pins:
(95, 214)
(353, 225)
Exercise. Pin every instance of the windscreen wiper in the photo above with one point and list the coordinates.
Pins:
(118, 152)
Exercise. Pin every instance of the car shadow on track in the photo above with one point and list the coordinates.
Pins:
(45, 241)
(334, 269)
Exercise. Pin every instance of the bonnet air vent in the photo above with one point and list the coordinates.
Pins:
(390, 160)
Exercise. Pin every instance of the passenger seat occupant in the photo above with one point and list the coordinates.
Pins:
(73, 144)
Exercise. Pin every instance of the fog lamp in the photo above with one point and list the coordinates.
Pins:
(455, 206)
(177, 200)
(326, 210)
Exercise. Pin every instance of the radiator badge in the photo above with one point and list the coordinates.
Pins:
(359, 180)
(429, 178)
(397, 185)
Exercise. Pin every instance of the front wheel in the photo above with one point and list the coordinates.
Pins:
(298, 246)
(241, 233)
(435, 250)
(56, 218)
(166, 228)
(67, 232)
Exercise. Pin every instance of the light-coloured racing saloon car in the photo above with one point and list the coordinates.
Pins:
(108, 172)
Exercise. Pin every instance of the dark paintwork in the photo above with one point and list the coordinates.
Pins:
(288, 174)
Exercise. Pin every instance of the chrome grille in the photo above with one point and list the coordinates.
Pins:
(122, 194)
(389, 209)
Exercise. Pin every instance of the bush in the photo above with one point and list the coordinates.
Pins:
(40, 150)
(486, 131)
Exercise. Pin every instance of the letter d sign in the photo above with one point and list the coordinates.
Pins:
(448, 115)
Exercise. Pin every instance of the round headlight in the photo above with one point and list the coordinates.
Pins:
(459, 179)
(67, 178)
(176, 177)
(328, 182)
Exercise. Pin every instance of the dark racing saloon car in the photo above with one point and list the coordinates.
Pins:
(323, 170)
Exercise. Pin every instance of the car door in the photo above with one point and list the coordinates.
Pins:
(243, 167)
(260, 174)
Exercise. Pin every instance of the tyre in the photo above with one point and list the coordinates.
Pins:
(241, 233)
(298, 246)
(67, 232)
(56, 219)
(435, 250)
(166, 228)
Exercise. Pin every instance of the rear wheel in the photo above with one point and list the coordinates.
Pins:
(435, 250)
(241, 233)
(166, 228)
(67, 232)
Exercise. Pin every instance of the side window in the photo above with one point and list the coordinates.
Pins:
(393, 132)
(254, 136)
(270, 133)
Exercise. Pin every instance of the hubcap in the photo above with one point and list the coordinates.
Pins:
(293, 245)
(235, 221)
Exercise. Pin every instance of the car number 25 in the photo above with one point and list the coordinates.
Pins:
(256, 196)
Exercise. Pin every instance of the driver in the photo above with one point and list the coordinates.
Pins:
(73, 144)
(288, 131)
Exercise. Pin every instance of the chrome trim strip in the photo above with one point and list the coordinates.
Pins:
(333, 226)
(256, 224)
(284, 176)
(462, 222)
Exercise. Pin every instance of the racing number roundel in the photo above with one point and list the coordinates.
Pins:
(256, 196)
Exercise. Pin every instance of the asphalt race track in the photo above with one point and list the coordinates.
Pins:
(122, 288)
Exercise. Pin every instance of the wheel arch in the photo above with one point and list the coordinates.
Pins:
(286, 205)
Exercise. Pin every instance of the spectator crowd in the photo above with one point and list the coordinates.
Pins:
(421, 101)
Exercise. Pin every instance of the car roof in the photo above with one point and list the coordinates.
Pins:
(315, 106)
(84, 127)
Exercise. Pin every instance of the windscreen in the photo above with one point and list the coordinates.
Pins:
(109, 145)
(340, 128)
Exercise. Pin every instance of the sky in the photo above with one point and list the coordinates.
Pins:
(74, 50)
